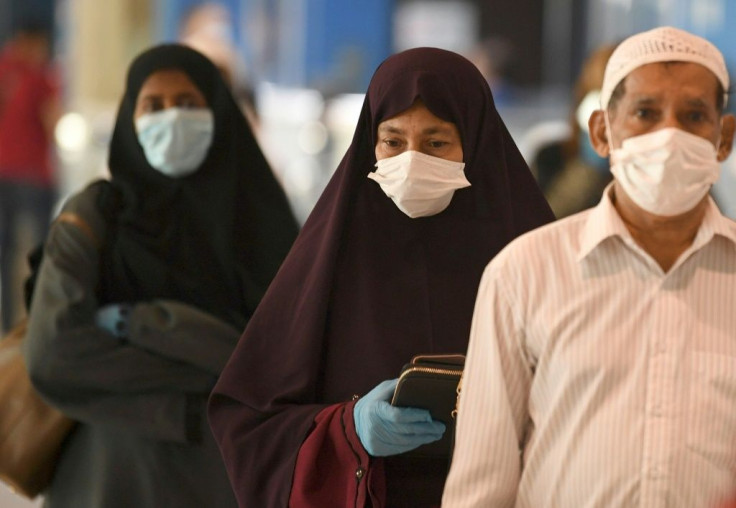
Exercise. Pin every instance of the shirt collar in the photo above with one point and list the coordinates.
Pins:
(604, 222)
(715, 223)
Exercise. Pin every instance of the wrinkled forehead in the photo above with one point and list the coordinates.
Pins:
(685, 82)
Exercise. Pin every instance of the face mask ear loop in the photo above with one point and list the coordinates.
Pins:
(609, 136)
(720, 135)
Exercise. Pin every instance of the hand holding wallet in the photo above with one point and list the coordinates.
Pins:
(387, 430)
(432, 382)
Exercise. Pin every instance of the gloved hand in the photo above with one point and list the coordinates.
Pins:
(114, 318)
(387, 430)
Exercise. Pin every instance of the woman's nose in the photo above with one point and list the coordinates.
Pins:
(413, 145)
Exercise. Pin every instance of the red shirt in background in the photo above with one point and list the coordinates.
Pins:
(25, 90)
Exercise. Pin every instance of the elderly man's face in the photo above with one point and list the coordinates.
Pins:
(659, 95)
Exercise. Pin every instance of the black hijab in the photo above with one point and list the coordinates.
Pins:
(213, 239)
(366, 287)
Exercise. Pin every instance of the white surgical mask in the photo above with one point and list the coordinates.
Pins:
(420, 185)
(176, 140)
(666, 172)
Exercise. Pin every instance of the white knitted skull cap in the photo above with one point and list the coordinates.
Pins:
(664, 44)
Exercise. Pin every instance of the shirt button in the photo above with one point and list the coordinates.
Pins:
(359, 473)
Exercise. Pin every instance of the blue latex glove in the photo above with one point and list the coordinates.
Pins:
(114, 318)
(387, 430)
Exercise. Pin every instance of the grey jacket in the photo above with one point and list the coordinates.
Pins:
(142, 439)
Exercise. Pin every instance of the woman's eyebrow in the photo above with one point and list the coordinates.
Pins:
(186, 95)
(432, 129)
(437, 129)
(390, 128)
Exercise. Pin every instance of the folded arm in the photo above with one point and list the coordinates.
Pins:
(82, 369)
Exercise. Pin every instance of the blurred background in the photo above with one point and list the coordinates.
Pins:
(299, 69)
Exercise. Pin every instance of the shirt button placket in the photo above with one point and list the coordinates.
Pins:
(656, 426)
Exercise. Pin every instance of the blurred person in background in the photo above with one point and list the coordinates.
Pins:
(724, 190)
(29, 109)
(146, 286)
(601, 367)
(207, 27)
(569, 171)
(385, 268)
(493, 56)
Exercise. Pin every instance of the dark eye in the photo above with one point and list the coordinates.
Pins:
(645, 113)
(152, 105)
(187, 102)
(696, 116)
(392, 143)
(437, 144)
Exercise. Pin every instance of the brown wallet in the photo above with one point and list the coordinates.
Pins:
(431, 382)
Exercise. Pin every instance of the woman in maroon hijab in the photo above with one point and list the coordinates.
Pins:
(386, 267)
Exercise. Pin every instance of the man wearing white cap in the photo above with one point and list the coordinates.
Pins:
(601, 370)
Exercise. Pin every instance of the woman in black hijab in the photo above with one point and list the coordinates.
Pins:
(370, 282)
(147, 281)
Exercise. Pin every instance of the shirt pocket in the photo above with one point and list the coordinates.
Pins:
(711, 418)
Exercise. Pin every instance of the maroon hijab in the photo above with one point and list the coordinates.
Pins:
(365, 287)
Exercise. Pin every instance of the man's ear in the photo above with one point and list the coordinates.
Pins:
(598, 134)
(728, 125)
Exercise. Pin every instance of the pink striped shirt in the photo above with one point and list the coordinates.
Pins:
(594, 379)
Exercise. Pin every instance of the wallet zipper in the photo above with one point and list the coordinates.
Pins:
(431, 370)
(442, 372)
